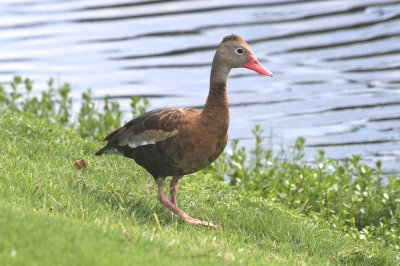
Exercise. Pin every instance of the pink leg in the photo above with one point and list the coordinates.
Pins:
(174, 208)
(173, 189)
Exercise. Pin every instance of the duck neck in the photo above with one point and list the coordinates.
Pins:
(217, 106)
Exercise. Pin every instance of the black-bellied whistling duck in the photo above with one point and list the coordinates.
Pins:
(179, 141)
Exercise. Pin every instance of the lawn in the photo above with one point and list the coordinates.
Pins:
(106, 214)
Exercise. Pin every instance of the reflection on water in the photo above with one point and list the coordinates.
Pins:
(337, 63)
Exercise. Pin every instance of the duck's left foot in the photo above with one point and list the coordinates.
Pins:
(199, 222)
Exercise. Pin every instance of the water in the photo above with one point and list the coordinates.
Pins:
(336, 63)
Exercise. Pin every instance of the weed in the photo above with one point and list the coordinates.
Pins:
(56, 104)
(346, 194)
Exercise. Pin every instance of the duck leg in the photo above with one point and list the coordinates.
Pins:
(162, 197)
(173, 189)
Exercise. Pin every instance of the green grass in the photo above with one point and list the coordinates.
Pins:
(347, 194)
(53, 214)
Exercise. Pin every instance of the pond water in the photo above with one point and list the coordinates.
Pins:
(336, 63)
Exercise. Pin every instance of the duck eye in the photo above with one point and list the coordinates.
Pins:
(239, 51)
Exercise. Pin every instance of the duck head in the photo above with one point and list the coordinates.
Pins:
(234, 52)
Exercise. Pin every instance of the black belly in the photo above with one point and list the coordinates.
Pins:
(173, 158)
(157, 159)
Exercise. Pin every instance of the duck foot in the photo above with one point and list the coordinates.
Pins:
(195, 221)
(163, 198)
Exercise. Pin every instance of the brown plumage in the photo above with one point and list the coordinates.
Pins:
(179, 141)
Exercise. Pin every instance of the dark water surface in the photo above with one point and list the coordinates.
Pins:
(336, 63)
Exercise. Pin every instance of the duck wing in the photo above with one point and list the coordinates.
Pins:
(150, 128)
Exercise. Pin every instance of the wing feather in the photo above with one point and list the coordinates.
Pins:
(150, 128)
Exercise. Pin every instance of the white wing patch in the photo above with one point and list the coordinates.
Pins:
(146, 137)
(112, 151)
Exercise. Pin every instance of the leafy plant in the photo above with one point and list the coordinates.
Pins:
(347, 194)
(56, 104)
(139, 105)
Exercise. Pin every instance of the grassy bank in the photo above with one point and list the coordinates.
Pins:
(52, 213)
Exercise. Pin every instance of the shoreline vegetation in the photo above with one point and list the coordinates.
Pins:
(274, 208)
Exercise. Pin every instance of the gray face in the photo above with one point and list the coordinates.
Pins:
(234, 53)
